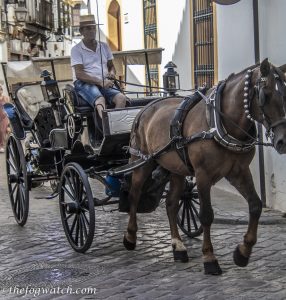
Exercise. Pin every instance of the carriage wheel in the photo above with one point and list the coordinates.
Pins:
(77, 207)
(188, 214)
(16, 168)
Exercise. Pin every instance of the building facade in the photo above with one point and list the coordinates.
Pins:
(207, 42)
(48, 28)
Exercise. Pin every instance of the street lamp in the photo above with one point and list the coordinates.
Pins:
(171, 79)
(21, 11)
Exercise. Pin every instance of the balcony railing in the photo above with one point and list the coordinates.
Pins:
(41, 16)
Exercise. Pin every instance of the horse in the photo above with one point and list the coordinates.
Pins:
(255, 94)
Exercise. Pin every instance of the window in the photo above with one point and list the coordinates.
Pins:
(150, 39)
(203, 37)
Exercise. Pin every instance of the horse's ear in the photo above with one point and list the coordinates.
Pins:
(283, 68)
(265, 67)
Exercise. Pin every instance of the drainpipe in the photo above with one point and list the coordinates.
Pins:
(260, 131)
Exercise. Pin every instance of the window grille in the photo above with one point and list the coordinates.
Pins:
(150, 39)
(203, 35)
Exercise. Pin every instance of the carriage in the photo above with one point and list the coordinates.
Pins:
(56, 137)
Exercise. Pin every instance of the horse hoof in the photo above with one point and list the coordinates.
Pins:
(181, 256)
(128, 245)
(212, 268)
(239, 259)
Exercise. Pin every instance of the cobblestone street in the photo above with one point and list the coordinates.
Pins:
(38, 255)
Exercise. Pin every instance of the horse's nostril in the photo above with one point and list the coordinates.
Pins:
(280, 143)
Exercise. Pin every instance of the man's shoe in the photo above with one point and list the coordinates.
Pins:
(2, 150)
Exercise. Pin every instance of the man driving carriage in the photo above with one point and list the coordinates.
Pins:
(93, 69)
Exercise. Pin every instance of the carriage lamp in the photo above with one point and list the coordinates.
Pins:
(171, 79)
(49, 87)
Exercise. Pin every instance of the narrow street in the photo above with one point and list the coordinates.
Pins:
(37, 261)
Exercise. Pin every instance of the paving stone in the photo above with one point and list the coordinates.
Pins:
(149, 272)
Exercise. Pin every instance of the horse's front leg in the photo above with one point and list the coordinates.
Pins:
(172, 206)
(139, 176)
(206, 215)
(243, 182)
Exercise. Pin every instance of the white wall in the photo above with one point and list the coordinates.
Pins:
(235, 52)
(182, 52)
(173, 36)
(234, 37)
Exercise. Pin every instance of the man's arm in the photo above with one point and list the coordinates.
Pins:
(80, 74)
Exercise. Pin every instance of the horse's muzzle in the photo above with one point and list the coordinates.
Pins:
(279, 141)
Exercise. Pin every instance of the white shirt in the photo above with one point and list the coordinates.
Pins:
(91, 60)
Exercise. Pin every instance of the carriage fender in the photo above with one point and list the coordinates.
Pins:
(14, 119)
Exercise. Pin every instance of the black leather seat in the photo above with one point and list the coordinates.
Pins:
(79, 104)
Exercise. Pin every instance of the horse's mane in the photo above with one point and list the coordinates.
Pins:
(243, 71)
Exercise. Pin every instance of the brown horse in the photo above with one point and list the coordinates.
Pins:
(255, 94)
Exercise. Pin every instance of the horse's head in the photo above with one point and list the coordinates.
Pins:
(270, 91)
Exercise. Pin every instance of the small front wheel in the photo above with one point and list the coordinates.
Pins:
(77, 207)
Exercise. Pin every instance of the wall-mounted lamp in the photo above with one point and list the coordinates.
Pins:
(20, 11)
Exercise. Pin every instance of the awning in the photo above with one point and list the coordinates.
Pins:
(30, 71)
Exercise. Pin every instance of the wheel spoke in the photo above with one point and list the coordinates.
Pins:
(69, 193)
(80, 231)
(18, 204)
(22, 198)
(77, 231)
(71, 187)
(183, 212)
(72, 182)
(11, 165)
(73, 225)
(195, 210)
(83, 226)
(70, 215)
(85, 219)
(13, 190)
(193, 218)
(188, 216)
(12, 154)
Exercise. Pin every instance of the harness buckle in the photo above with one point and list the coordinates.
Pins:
(269, 134)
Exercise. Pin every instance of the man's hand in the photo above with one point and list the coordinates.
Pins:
(111, 75)
(107, 83)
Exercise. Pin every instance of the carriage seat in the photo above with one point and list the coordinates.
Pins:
(79, 104)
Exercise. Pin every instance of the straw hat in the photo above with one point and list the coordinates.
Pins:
(87, 20)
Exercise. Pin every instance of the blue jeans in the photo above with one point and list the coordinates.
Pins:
(90, 92)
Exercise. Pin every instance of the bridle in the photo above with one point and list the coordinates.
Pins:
(259, 93)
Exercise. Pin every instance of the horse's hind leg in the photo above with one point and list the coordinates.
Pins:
(244, 184)
(172, 206)
(139, 176)
(206, 215)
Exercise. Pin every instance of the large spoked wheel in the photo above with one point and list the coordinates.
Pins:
(189, 207)
(77, 207)
(16, 168)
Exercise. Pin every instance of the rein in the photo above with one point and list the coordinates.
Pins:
(216, 131)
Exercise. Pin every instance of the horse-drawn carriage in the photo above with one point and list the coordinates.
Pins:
(57, 137)
(168, 139)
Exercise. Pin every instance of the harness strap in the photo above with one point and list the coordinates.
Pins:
(176, 127)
